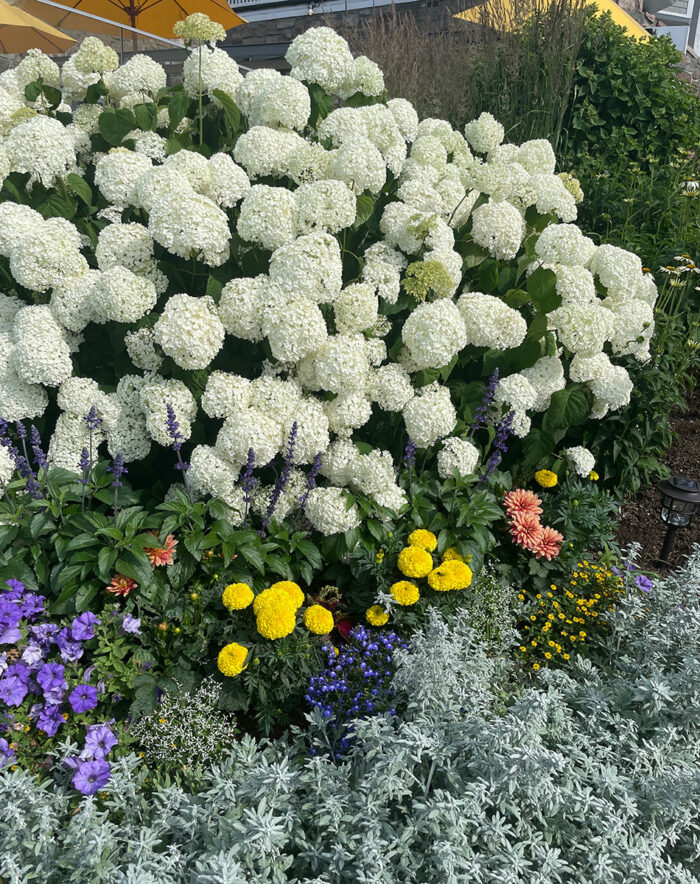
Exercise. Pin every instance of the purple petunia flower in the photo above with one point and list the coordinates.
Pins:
(71, 651)
(22, 672)
(91, 776)
(50, 719)
(643, 583)
(131, 625)
(7, 753)
(99, 741)
(12, 690)
(15, 591)
(32, 605)
(83, 698)
(51, 677)
(83, 627)
(33, 654)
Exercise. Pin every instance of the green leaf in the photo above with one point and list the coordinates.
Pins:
(105, 562)
(32, 91)
(95, 92)
(135, 564)
(7, 535)
(85, 594)
(233, 115)
(80, 187)
(146, 116)
(53, 96)
(576, 408)
(254, 557)
(82, 541)
(554, 417)
(542, 288)
(177, 108)
(321, 104)
(116, 124)
(536, 445)
(365, 207)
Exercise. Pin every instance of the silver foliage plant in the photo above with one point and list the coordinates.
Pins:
(589, 775)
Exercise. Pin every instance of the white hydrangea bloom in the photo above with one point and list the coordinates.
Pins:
(509, 181)
(564, 244)
(150, 144)
(310, 266)
(427, 150)
(294, 327)
(253, 82)
(505, 153)
(633, 329)
(158, 182)
(130, 245)
(76, 396)
(41, 354)
(613, 387)
(225, 394)
(521, 424)
(263, 151)
(384, 133)
(16, 222)
(391, 387)
(547, 377)
(20, 400)
(127, 434)
(552, 196)
(575, 285)
(372, 472)
(359, 164)
(155, 395)
(406, 117)
(376, 350)
(282, 103)
(121, 296)
(430, 416)
(218, 71)
(536, 156)
(192, 226)
(451, 263)
(616, 268)
(491, 323)
(93, 55)
(9, 307)
(213, 474)
(42, 147)
(250, 428)
(341, 125)
(312, 430)
(587, 368)
(228, 182)
(457, 456)
(328, 206)
(393, 498)
(321, 56)
(327, 510)
(47, 255)
(484, 134)
(341, 365)
(275, 397)
(241, 306)
(117, 174)
(140, 345)
(383, 276)
(35, 65)
(498, 227)
(189, 331)
(194, 168)
(356, 308)
(140, 76)
(515, 391)
(71, 302)
(7, 466)
(366, 77)
(580, 460)
(583, 328)
(268, 216)
(309, 162)
(404, 227)
(645, 291)
(434, 333)
(348, 412)
(337, 461)
(10, 103)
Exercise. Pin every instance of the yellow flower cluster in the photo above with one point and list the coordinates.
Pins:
(422, 538)
(414, 561)
(275, 609)
(452, 554)
(559, 619)
(546, 478)
(318, 620)
(450, 575)
(232, 659)
(237, 596)
(405, 593)
(593, 476)
(376, 615)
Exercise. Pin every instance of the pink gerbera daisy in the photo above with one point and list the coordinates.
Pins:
(121, 585)
(526, 530)
(162, 555)
(522, 501)
(549, 544)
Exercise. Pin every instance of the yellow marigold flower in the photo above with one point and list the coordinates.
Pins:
(521, 597)
(523, 648)
(450, 575)
(237, 596)
(546, 478)
(593, 476)
(566, 656)
(405, 593)
(232, 659)
(422, 538)
(318, 620)
(535, 665)
(376, 615)
(292, 589)
(548, 655)
(415, 562)
(276, 621)
(452, 554)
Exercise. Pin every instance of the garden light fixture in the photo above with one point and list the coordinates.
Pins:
(680, 499)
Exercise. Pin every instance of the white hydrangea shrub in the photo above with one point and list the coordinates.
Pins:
(318, 262)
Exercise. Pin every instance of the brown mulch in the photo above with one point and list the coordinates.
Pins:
(639, 518)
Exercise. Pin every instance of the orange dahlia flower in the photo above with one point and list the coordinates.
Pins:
(549, 544)
(121, 585)
(522, 501)
(526, 530)
(162, 555)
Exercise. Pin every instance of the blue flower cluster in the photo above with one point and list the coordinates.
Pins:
(356, 683)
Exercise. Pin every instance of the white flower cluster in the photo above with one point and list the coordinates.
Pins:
(580, 460)
(457, 456)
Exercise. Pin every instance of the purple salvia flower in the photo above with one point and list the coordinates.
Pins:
(281, 482)
(117, 470)
(84, 466)
(173, 428)
(248, 484)
(500, 444)
(92, 420)
(39, 456)
(21, 430)
(480, 413)
(310, 482)
(409, 453)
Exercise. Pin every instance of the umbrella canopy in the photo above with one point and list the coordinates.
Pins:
(20, 31)
(155, 16)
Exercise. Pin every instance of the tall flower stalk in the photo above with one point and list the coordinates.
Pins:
(283, 477)
(409, 459)
(248, 484)
(117, 470)
(480, 413)
(173, 428)
(500, 444)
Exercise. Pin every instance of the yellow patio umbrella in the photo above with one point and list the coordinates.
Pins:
(508, 15)
(20, 31)
(153, 16)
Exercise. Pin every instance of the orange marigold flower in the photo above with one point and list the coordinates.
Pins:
(162, 555)
(549, 544)
(121, 585)
(526, 530)
(522, 501)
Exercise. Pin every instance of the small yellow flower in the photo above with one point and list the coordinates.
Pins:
(318, 620)
(452, 554)
(535, 665)
(546, 478)
(405, 593)
(232, 659)
(376, 615)
(414, 561)
(422, 538)
(379, 557)
(237, 596)
(593, 476)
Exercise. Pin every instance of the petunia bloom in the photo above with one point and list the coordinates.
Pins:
(91, 776)
(131, 625)
(12, 690)
(121, 585)
(162, 555)
(98, 741)
(526, 530)
(522, 501)
(83, 627)
(83, 698)
(549, 544)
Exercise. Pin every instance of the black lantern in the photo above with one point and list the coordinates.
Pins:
(680, 499)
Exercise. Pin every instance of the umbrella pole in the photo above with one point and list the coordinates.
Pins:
(132, 19)
(121, 46)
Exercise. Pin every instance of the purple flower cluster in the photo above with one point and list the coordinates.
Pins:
(356, 683)
(480, 413)
(283, 478)
(173, 428)
(91, 768)
(500, 444)
(21, 461)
